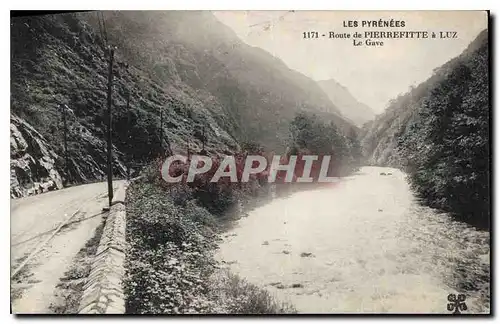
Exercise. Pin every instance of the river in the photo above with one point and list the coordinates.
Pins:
(363, 245)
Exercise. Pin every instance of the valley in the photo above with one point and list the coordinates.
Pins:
(403, 223)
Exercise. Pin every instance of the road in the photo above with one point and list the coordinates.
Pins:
(33, 220)
(362, 246)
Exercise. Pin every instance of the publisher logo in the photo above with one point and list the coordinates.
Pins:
(456, 303)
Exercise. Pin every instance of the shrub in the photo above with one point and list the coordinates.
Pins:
(234, 295)
(168, 258)
(170, 267)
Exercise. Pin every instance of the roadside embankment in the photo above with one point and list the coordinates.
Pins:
(172, 233)
(103, 290)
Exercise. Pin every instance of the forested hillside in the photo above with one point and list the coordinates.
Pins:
(439, 133)
(208, 84)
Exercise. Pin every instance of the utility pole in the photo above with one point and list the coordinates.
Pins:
(129, 159)
(203, 136)
(65, 141)
(161, 131)
(111, 53)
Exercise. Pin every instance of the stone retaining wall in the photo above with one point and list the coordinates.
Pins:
(103, 291)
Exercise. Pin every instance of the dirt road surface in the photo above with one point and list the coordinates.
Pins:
(33, 221)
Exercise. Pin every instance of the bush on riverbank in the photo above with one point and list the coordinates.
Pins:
(170, 267)
(236, 296)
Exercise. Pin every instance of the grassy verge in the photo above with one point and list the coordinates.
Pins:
(172, 233)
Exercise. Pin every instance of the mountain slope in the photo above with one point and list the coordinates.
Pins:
(58, 60)
(208, 84)
(349, 106)
(439, 133)
(257, 91)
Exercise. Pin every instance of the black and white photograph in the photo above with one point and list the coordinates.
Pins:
(242, 162)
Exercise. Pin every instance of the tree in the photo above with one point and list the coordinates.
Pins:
(309, 135)
(445, 146)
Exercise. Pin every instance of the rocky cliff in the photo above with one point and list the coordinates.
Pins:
(32, 162)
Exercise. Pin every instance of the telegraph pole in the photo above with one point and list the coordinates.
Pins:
(111, 53)
(129, 159)
(203, 137)
(161, 131)
(65, 141)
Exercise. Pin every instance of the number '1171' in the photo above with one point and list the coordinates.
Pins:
(311, 34)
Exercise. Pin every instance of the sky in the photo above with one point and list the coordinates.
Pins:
(374, 75)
